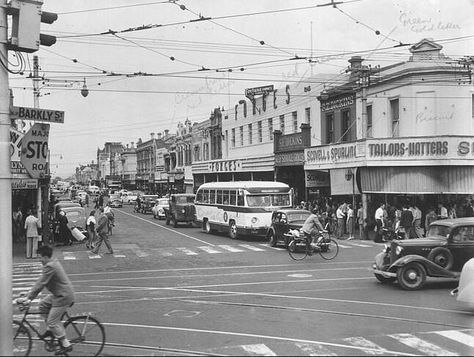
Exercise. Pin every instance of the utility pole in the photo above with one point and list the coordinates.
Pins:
(6, 253)
(36, 95)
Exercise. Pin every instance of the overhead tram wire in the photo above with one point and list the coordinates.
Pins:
(113, 7)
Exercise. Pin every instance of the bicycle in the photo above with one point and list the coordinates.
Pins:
(300, 246)
(86, 333)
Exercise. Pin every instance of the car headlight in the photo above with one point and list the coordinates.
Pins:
(399, 250)
(254, 220)
(183, 210)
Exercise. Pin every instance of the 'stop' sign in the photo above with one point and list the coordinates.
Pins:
(47, 115)
(251, 92)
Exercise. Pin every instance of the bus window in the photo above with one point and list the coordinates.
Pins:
(219, 197)
(258, 200)
(225, 197)
(281, 200)
(212, 196)
(233, 198)
(199, 196)
(240, 200)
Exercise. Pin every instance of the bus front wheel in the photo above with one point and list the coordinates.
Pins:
(206, 226)
(232, 230)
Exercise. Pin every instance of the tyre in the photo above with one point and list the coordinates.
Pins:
(383, 279)
(21, 339)
(86, 334)
(328, 249)
(298, 249)
(272, 239)
(442, 257)
(411, 276)
(175, 221)
(207, 226)
(232, 230)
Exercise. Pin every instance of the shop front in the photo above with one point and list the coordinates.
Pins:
(250, 169)
(289, 160)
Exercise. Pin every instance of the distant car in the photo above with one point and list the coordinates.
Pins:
(282, 221)
(115, 201)
(181, 209)
(448, 245)
(130, 197)
(147, 202)
(158, 209)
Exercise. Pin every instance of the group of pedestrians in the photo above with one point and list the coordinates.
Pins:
(98, 230)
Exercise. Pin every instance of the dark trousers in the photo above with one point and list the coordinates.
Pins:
(379, 223)
(102, 237)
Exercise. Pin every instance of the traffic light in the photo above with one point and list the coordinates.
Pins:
(26, 19)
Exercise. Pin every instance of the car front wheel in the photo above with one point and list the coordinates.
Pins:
(411, 276)
(232, 230)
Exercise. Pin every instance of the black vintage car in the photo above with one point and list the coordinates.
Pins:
(448, 245)
(147, 203)
(282, 221)
(181, 209)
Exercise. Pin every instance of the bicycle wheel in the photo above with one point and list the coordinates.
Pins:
(328, 249)
(86, 334)
(298, 249)
(21, 339)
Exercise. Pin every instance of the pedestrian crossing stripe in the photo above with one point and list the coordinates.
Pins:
(209, 249)
(458, 336)
(187, 251)
(423, 346)
(315, 350)
(251, 247)
(369, 347)
(230, 248)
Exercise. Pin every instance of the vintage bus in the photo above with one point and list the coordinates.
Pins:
(240, 207)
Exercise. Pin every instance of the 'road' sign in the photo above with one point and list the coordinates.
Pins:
(34, 150)
(48, 115)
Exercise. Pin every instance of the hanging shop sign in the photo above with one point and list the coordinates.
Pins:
(34, 150)
(316, 179)
(37, 114)
(294, 158)
(327, 156)
(252, 92)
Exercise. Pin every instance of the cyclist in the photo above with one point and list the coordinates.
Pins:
(310, 224)
(54, 305)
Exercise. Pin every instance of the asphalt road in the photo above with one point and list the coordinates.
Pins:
(180, 291)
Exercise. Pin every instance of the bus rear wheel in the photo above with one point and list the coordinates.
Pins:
(232, 230)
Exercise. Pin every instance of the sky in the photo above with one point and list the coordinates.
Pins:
(148, 65)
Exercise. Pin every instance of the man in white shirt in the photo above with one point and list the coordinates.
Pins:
(340, 215)
(443, 211)
(417, 222)
(379, 221)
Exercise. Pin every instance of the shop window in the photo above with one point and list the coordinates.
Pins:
(282, 124)
(307, 115)
(241, 136)
(259, 128)
(250, 134)
(395, 117)
(369, 121)
(233, 137)
(329, 128)
(346, 122)
(270, 128)
(294, 116)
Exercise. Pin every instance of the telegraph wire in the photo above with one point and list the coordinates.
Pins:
(112, 7)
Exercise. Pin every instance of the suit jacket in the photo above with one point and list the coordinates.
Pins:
(55, 279)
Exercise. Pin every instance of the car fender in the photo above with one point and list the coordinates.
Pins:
(432, 269)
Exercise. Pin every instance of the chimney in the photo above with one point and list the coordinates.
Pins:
(166, 133)
(159, 136)
(132, 145)
(127, 146)
(152, 135)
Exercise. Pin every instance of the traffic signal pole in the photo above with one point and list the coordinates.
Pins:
(6, 252)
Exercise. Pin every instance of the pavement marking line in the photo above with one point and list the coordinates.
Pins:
(69, 256)
(372, 348)
(163, 227)
(458, 336)
(187, 251)
(251, 247)
(209, 250)
(242, 334)
(266, 245)
(93, 256)
(421, 345)
(230, 248)
(343, 245)
(119, 255)
(258, 349)
(140, 253)
(360, 245)
(314, 350)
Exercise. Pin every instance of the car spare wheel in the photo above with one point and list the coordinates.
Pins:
(442, 257)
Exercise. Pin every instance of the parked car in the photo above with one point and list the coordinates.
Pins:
(282, 221)
(448, 245)
(147, 202)
(158, 209)
(115, 201)
(181, 209)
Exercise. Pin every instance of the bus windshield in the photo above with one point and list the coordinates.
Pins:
(267, 200)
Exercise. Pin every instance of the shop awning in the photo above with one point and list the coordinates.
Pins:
(418, 180)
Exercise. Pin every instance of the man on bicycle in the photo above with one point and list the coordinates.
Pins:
(310, 224)
(54, 305)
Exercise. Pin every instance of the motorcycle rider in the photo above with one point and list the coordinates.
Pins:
(310, 224)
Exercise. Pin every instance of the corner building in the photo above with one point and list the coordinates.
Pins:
(411, 134)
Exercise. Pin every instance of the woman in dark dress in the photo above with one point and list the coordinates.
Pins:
(65, 235)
